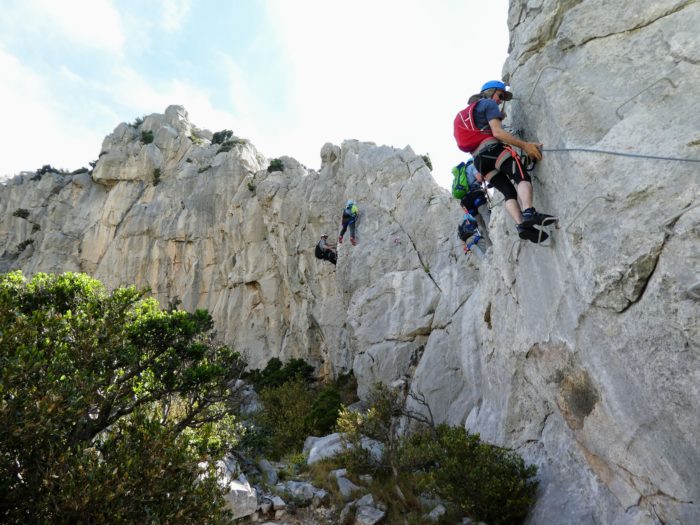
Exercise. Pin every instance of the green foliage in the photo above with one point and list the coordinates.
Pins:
(486, 482)
(490, 483)
(22, 213)
(107, 404)
(47, 168)
(324, 411)
(156, 176)
(251, 185)
(23, 245)
(375, 423)
(146, 137)
(136, 123)
(292, 407)
(196, 139)
(35, 227)
(275, 373)
(275, 165)
(283, 416)
(427, 161)
(221, 136)
(230, 144)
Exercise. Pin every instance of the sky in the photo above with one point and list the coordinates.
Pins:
(289, 75)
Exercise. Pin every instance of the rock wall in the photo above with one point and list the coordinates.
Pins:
(582, 355)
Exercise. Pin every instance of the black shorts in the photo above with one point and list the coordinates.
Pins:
(509, 170)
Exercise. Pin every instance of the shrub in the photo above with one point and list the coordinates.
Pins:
(427, 161)
(275, 165)
(324, 411)
(47, 168)
(283, 416)
(100, 409)
(136, 123)
(79, 171)
(221, 136)
(487, 482)
(156, 176)
(35, 227)
(22, 213)
(23, 245)
(276, 374)
(146, 137)
(251, 185)
(203, 169)
(196, 139)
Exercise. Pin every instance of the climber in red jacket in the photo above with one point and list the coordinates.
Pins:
(478, 130)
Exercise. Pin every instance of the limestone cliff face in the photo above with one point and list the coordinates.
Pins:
(583, 356)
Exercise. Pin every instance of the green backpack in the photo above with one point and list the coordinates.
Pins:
(460, 183)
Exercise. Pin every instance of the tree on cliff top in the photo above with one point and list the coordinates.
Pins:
(107, 404)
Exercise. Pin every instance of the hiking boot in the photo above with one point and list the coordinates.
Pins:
(531, 234)
(353, 241)
(532, 217)
(340, 240)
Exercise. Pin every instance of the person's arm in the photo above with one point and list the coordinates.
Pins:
(531, 148)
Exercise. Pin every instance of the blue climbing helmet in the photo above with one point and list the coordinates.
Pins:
(350, 203)
(497, 84)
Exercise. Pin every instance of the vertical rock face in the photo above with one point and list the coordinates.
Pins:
(583, 356)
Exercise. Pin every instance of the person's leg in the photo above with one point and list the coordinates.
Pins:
(342, 231)
(525, 194)
(353, 238)
(499, 181)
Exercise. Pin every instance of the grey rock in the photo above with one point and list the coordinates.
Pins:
(347, 488)
(278, 503)
(367, 515)
(300, 490)
(268, 471)
(435, 514)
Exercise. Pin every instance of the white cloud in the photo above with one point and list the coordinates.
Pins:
(36, 134)
(91, 23)
(388, 72)
(174, 13)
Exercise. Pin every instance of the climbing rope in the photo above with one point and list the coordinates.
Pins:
(619, 154)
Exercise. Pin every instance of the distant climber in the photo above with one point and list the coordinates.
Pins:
(349, 220)
(476, 201)
(326, 251)
(478, 130)
(468, 232)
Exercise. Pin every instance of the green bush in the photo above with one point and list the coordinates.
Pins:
(107, 404)
(136, 123)
(486, 482)
(283, 416)
(427, 161)
(156, 176)
(47, 168)
(22, 213)
(275, 165)
(489, 483)
(324, 411)
(35, 227)
(23, 245)
(146, 137)
(221, 136)
(276, 374)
